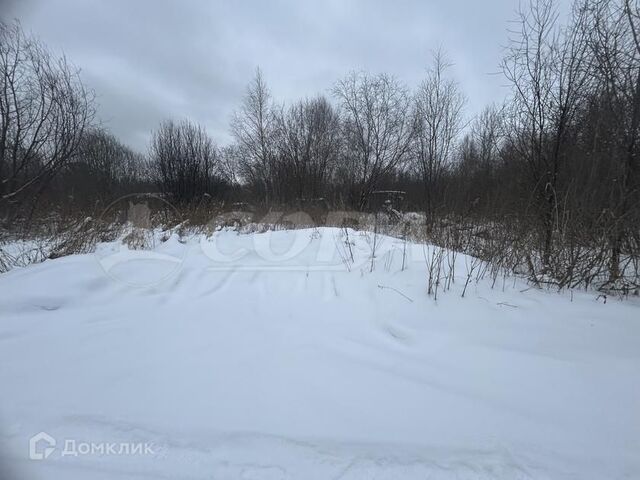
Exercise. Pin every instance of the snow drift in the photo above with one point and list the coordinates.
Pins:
(290, 354)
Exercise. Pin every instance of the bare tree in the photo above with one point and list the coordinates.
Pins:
(376, 127)
(308, 148)
(438, 106)
(477, 170)
(487, 131)
(44, 111)
(107, 164)
(547, 67)
(102, 170)
(185, 162)
(613, 29)
(253, 127)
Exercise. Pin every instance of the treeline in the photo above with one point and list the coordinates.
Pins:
(555, 167)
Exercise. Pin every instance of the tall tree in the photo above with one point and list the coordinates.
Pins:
(547, 67)
(308, 148)
(254, 129)
(185, 162)
(614, 33)
(44, 111)
(438, 106)
(376, 128)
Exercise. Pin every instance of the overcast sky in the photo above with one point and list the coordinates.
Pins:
(149, 60)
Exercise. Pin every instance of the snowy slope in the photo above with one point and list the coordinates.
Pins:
(262, 357)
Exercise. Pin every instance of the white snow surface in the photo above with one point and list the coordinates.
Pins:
(263, 357)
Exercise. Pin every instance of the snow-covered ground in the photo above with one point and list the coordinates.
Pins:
(263, 356)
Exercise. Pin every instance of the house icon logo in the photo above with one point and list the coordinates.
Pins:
(41, 446)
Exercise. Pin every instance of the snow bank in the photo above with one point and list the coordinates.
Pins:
(283, 355)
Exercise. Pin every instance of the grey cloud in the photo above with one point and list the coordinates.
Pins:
(150, 60)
